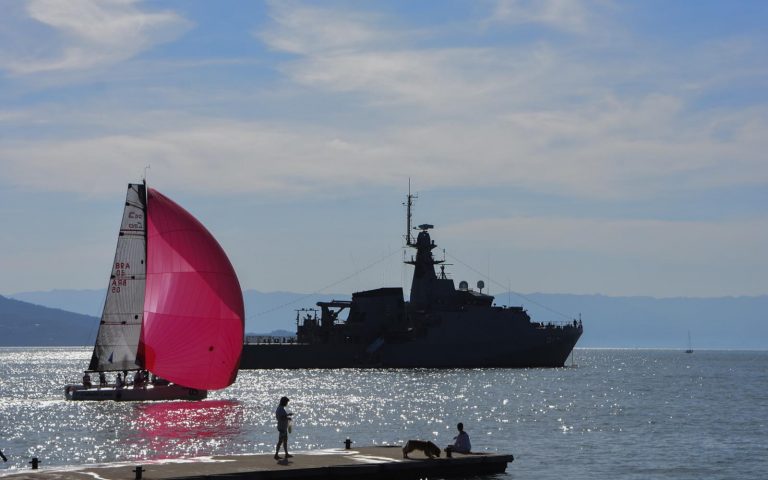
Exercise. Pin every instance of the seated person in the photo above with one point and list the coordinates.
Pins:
(102, 379)
(461, 442)
(139, 380)
(86, 380)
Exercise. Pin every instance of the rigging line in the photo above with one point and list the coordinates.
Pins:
(510, 290)
(302, 297)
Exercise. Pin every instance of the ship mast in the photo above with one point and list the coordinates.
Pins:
(409, 204)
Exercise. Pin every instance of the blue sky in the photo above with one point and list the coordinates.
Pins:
(558, 146)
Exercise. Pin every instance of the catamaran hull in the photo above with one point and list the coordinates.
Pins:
(151, 393)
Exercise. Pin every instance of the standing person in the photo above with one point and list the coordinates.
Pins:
(102, 379)
(461, 442)
(283, 418)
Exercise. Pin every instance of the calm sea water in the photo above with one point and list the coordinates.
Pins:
(618, 414)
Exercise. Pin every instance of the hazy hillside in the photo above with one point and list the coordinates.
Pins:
(629, 322)
(85, 302)
(264, 312)
(725, 322)
(25, 324)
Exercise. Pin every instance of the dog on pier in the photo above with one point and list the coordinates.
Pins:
(430, 449)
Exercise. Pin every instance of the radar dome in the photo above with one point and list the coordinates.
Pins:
(463, 285)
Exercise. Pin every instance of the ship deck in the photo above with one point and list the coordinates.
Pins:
(365, 463)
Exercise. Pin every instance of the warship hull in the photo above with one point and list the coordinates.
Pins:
(294, 356)
(448, 345)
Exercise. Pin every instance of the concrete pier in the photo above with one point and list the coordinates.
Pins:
(365, 463)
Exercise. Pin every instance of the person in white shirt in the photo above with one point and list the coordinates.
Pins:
(283, 418)
(461, 443)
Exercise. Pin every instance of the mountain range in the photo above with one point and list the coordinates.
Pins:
(25, 324)
(69, 317)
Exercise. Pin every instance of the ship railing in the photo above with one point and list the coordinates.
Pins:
(556, 325)
(270, 339)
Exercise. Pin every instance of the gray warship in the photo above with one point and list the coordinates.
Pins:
(440, 326)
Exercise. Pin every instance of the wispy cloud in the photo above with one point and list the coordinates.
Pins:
(81, 34)
(605, 152)
(544, 116)
(567, 15)
(302, 29)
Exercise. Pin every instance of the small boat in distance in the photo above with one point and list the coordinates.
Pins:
(174, 309)
(689, 349)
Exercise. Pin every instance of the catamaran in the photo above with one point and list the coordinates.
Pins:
(173, 312)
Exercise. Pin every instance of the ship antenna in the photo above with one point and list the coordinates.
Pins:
(409, 204)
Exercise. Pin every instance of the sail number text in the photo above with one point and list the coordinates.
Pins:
(120, 272)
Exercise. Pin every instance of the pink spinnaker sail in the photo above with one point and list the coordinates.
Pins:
(193, 324)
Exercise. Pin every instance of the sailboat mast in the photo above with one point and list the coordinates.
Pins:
(140, 354)
(146, 217)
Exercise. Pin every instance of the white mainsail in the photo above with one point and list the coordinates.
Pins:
(121, 320)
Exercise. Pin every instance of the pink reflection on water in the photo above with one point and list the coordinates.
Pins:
(173, 429)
